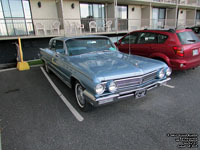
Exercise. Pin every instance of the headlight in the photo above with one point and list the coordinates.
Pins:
(168, 71)
(161, 74)
(112, 87)
(100, 89)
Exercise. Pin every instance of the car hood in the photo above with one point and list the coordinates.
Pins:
(103, 66)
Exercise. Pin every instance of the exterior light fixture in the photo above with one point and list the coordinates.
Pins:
(72, 5)
(39, 4)
(133, 8)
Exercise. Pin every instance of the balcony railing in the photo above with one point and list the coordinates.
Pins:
(188, 2)
(166, 1)
(73, 27)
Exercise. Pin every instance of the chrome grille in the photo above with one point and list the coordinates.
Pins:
(149, 77)
(135, 81)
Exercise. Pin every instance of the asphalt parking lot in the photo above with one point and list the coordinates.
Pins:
(33, 117)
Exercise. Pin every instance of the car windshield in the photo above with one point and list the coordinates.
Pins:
(88, 45)
(188, 37)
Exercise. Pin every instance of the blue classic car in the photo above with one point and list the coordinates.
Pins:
(99, 73)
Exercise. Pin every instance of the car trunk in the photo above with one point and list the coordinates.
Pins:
(191, 50)
(190, 44)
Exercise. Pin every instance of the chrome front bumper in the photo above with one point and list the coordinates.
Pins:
(115, 97)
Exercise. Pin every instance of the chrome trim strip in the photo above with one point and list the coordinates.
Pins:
(107, 97)
(59, 71)
(67, 83)
(120, 97)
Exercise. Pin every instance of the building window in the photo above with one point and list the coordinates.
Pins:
(122, 15)
(92, 12)
(198, 15)
(158, 17)
(15, 18)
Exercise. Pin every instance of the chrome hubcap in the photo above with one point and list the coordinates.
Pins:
(79, 95)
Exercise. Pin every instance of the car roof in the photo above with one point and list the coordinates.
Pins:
(78, 37)
(164, 30)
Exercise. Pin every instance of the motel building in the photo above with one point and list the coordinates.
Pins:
(36, 21)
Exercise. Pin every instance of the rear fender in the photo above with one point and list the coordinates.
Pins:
(162, 57)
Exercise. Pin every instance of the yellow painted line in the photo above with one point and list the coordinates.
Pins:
(67, 103)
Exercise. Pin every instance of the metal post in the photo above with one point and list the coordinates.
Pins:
(176, 18)
(115, 15)
(195, 16)
(150, 17)
(63, 18)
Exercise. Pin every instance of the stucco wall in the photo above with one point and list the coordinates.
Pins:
(182, 17)
(170, 18)
(134, 17)
(146, 15)
(70, 13)
(190, 17)
(48, 9)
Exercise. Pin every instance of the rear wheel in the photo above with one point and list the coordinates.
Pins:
(82, 103)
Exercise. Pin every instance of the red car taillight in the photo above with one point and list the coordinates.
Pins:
(178, 51)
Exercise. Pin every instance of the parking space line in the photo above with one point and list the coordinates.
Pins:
(0, 141)
(71, 108)
(9, 69)
(169, 86)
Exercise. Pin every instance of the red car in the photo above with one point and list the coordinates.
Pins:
(180, 49)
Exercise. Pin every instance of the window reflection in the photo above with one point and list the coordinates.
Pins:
(92, 12)
(122, 17)
(15, 18)
(2, 23)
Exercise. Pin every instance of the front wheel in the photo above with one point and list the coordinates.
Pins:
(46, 68)
(82, 103)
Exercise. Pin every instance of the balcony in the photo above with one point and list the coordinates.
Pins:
(40, 28)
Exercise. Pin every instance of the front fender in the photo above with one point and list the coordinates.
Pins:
(84, 81)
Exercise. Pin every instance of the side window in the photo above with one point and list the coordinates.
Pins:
(130, 39)
(162, 38)
(59, 47)
(148, 38)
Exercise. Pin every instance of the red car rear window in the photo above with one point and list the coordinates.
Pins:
(188, 37)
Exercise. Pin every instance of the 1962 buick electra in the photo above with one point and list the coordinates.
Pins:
(99, 73)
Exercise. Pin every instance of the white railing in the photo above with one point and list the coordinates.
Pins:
(188, 2)
(166, 1)
(71, 27)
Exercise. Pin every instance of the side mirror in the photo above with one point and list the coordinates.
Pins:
(60, 51)
(117, 43)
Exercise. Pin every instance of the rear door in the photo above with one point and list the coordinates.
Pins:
(190, 44)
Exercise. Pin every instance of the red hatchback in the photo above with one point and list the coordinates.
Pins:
(180, 49)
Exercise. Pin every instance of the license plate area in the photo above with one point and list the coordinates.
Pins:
(140, 93)
(195, 52)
